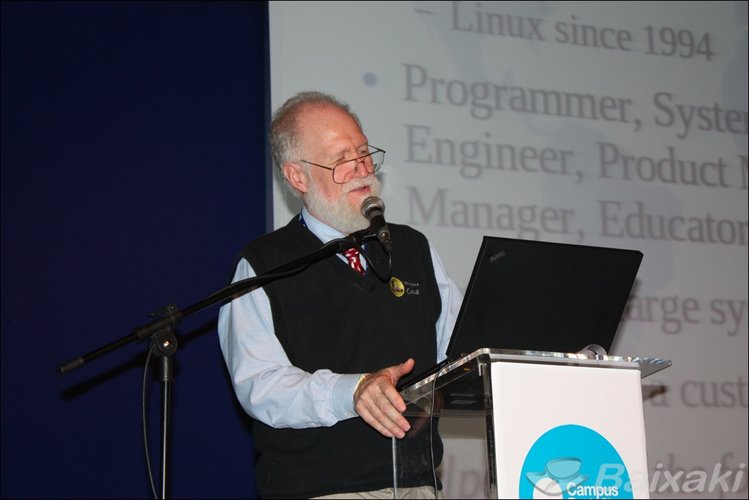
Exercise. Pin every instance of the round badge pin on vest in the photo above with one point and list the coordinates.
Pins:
(397, 287)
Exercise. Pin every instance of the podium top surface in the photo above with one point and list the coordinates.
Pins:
(646, 366)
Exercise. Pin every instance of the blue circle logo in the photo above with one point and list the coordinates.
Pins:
(572, 461)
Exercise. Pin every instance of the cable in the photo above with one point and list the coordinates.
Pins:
(145, 422)
(371, 265)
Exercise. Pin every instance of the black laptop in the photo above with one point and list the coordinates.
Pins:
(542, 296)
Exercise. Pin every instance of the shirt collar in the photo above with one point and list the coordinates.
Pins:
(324, 232)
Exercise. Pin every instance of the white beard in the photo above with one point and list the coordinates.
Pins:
(339, 214)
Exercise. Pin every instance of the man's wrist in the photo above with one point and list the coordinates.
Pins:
(358, 385)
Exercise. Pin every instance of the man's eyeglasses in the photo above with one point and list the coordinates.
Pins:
(344, 170)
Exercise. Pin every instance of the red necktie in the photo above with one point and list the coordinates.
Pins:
(352, 254)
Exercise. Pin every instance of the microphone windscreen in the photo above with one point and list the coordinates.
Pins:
(371, 203)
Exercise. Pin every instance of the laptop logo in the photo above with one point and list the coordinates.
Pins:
(497, 256)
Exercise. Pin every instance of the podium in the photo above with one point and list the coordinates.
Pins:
(551, 425)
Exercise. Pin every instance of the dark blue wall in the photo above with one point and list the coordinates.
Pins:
(133, 169)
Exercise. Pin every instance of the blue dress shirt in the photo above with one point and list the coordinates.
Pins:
(268, 386)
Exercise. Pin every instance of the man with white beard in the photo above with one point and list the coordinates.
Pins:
(315, 357)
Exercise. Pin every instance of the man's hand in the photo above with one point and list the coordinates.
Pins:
(377, 401)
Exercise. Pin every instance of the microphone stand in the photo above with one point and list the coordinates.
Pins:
(163, 339)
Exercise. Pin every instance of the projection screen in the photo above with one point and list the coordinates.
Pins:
(610, 124)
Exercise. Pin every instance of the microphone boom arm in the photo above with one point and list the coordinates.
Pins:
(173, 316)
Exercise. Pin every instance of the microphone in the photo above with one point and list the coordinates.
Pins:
(373, 209)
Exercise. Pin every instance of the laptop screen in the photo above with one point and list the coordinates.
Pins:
(542, 296)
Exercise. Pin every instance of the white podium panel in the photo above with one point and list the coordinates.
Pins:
(568, 431)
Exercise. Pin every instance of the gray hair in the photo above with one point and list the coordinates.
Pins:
(284, 127)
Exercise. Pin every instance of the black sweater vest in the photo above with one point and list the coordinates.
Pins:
(331, 317)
